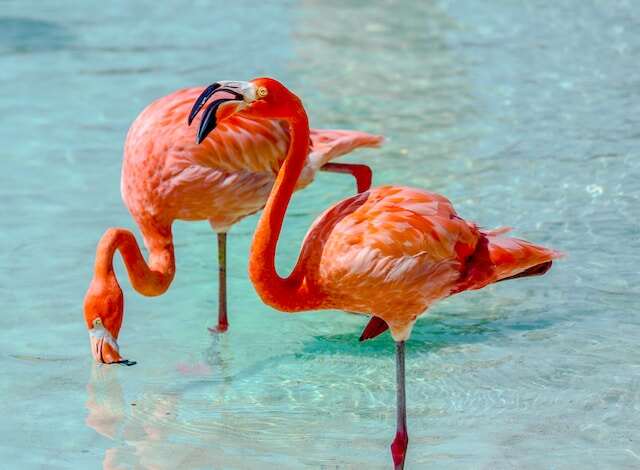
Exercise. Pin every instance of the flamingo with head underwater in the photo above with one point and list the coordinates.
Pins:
(167, 176)
(390, 252)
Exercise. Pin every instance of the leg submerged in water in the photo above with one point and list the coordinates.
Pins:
(399, 444)
(223, 322)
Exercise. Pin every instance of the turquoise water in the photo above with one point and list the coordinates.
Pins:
(526, 116)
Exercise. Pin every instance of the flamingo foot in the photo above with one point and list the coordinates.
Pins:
(399, 449)
(220, 328)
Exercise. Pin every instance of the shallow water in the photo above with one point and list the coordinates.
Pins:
(525, 116)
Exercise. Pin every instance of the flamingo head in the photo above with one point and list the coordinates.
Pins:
(264, 98)
(103, 314)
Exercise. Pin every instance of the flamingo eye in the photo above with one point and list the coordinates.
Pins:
(261, 92)
(97, 322)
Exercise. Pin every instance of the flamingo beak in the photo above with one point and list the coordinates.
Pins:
(104, 347)
(241, 93)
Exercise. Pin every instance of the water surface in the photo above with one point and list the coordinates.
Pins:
(524, 115)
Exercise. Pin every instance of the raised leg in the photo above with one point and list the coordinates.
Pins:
(362, 173)
(223, 322)
(399, 444)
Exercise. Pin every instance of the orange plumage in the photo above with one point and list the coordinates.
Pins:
(394, 251)
(166, 176)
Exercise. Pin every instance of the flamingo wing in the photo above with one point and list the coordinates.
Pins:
(391, 252)
(394, 251)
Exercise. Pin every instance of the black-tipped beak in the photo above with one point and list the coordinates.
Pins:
(202, 99)
(126, 362)
(209, 122)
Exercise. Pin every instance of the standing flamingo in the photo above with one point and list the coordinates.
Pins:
(390, 252)
(167, 176)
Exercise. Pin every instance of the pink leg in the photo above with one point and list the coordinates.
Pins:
(223, 323)
(399, 444)
(362, 173)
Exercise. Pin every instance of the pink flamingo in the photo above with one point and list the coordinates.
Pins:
(167, 176)
(390, 252)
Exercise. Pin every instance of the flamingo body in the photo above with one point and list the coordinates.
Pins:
(394, 251)
(166, 176)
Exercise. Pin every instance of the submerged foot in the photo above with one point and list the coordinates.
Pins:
(220, 328)
(399, 450)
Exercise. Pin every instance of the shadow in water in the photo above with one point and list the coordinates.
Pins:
(25, 35)
(158, 430)
(430, 334)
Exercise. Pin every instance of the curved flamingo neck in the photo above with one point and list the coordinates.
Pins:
(150, 279)
(290, 294)
(104, 296)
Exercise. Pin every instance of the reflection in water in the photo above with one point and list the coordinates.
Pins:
(110, 416)
(210, 420)
(105, 401)
(151, 432)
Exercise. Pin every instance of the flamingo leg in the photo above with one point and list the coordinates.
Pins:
(223, 322)
(399, 444)
(362, 173)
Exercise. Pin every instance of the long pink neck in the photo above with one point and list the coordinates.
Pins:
(292, 293)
